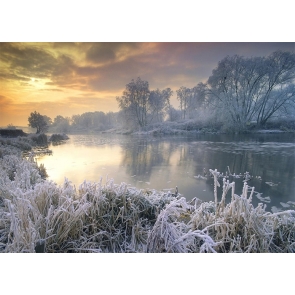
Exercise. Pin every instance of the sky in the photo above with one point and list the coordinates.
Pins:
(72, 78)
(68, 78)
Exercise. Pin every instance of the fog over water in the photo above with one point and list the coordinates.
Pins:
(162, 163)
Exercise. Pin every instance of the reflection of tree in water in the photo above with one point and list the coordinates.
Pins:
(185, 158)
(139, 157)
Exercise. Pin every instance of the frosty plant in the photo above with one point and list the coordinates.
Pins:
(36, 215)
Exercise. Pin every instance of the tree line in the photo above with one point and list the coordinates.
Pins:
(98, 121)
(240, 91)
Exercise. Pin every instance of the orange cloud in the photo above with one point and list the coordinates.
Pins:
(72, 78)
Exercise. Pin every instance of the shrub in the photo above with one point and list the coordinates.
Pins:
(42, 171)
(58, 137)
(39, 139)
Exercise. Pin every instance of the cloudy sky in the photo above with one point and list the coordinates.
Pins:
(73, 78)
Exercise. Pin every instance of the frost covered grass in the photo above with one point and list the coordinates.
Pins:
(17, 144)
(24, 143)
(36, 215)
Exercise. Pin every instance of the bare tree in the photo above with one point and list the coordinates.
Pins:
(183, 96)
(191, 100)
(135, 101)
(159, 101)
(141, 106)
(280, 87)
(252, 89)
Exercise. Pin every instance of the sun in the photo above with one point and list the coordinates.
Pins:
(33, 79)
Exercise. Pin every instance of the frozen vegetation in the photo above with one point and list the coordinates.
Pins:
(36, 215)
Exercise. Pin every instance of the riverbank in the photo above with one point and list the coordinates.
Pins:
(163, 130)
(192, 127)
(184, 127)
(12, 133)
(36, 215)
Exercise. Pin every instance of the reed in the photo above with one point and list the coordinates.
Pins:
(36, 215)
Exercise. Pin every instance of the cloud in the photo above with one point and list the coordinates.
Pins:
(105, 52)
(99, 65)
(10, 76)
(23, 61)
(93, 74)
(64, 66)
(27, 61)
(100, 53)
(110, 66)
(51, 89)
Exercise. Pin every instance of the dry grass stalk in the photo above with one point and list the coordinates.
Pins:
(37, 215)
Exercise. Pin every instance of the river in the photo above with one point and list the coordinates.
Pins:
(162, 163)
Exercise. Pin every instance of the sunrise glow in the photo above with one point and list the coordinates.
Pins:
(73, 78)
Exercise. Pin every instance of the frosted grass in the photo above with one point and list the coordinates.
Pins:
(36, 215)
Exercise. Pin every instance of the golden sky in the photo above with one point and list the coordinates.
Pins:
(73, 78)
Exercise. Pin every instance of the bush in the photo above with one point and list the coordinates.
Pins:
(22, 143)
(42, 171)
(58, 137)
(39, 139)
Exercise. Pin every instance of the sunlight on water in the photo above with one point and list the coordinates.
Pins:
(78, 163)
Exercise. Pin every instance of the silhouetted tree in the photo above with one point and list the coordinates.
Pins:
(38, 121)
(48, 120)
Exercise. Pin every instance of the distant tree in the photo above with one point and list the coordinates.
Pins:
(174, 115)
(252, 89)
(48, 120)
(183, 95)
(111, 120)
(197, 100)
(38, 121)
(61, 124)
(75, 120)
(11, 126)
(191, 100)
(135, 101)
(142, 106)
(159, 101)
(94, 120)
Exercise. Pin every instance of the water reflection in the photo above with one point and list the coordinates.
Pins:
(163, 163)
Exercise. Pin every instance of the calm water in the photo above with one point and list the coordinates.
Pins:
(167, 162)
